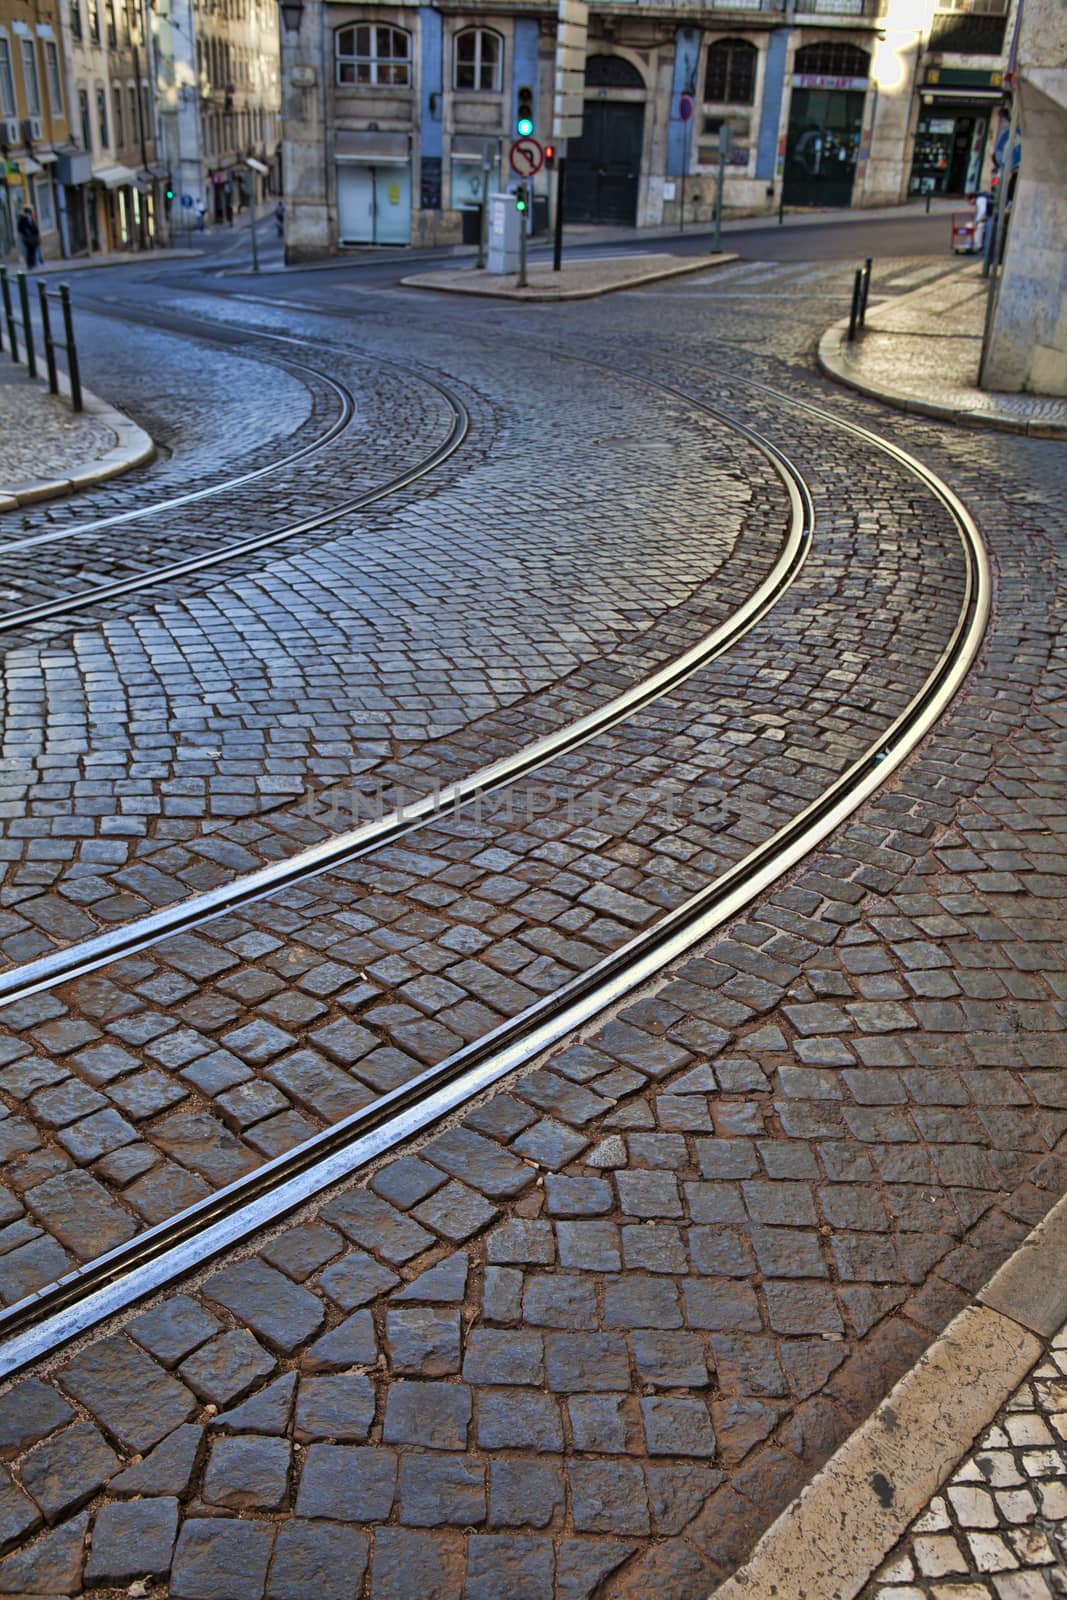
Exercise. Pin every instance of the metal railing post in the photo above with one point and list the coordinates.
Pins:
(866, 292)
(9, 315)
(857, 292)
(27, 326)
(49, 347)
(72, 349)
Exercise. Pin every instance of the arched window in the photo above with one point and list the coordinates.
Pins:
(731, 76)
(833, 58)
(479, 59)
(373, 54)
(612, 72)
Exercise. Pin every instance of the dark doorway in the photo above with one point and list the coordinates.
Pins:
(604, 165)
(822, 146)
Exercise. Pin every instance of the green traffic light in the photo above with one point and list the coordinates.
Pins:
(524, 127)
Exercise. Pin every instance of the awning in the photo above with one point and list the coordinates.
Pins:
(376, 149)
(115, 177)
(46, 157)
(28, 166)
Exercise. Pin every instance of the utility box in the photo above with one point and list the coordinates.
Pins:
(504, 224)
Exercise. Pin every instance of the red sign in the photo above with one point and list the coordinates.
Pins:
(685, 107)
(819, 80)
(526, 157)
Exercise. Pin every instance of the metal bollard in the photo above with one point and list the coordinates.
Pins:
(72, 349)
(866, 292)
(857, 294)
(49, 347)
(9, 315)
(927, 202)
(781, 208)
(27, 326)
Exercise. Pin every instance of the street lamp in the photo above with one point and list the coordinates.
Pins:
(292, 13)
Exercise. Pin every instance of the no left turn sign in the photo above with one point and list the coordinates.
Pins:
(526, 157)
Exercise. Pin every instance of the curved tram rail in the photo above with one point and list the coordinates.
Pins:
(171, 1250)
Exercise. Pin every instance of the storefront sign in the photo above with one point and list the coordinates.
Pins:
(819, 80)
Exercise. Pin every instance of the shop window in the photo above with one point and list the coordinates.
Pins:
(612, 72)
(373, 56)
(479, 59)
(967, 34)
(731, 75)
(832, 58)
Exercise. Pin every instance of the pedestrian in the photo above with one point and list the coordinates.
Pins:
(279, 218)
(30, 234)
(201, 213)
(983, 211)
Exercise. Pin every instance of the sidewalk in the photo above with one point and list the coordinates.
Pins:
(576, 280)
(50, 450)
(921, 352)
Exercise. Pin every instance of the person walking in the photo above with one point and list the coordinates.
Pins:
(30, 234)
(201, 213)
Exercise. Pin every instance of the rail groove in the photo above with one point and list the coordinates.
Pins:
(54, 1315)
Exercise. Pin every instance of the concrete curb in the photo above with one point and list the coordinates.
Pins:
(133, 448)
(653, 275)
(833, 360)
(830, 1540)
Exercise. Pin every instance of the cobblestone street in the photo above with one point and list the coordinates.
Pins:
(589, 1330)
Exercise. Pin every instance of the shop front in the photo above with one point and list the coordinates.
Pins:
(952, 132)
(829, 88)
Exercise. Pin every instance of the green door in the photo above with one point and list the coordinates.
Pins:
(822, 146)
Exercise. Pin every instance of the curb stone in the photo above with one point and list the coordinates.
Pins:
(133, 448)
(830, 1540)
(832, 357)
(438, 281)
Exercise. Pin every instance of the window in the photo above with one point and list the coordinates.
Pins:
(101, 117)
(731, 76)
(832, 59)
(75, 19)
(479, 57)
(120, 132)
(373, 55)
(612, 72)
(55, 82)
(29, 78)
(7, 81)
(112, 30)
(83, 115)
(94, 22)
(131, 101)
(967, 34)
(42, 197)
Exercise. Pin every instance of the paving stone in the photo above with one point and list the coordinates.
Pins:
(226, 1368)
(317, 1561)
(18, 1515)
(422, 1342)
(550, 1144)
(247, 1472)
(525, 1494)
(456, 1212)
(582, 1565)
(371, 1222)
(51, 1565)
(585, 1361)
(438, 1490)
(519, 1420)
(30, 1411)
(134, 1400)
(221, 1559)
(166, 1470)
(608, 1497)
(356, 1279)
(64, 1471)
(347, 1483)
(406, 1563)
(266, 1412)
(499, 1566)
(334, 1407)
(479, 1162)
(443, 1284)
(523, 1241)
(604, 1423)
(133, 1540)
(676, 1494)
(275, 1308)
(671, 1360)
(434, 1415)
(173, 1329)
(301, 1251)
(675, 1427)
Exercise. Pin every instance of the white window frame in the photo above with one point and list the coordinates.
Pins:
(372, 68)
(31, 83)
(478, 87)
(8, 103)
(54, 80)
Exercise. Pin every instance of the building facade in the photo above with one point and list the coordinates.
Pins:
(34, 124)
(113, 178)
(391, 111)
(219, 100)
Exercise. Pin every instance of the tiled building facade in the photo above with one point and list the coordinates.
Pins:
(388, 109)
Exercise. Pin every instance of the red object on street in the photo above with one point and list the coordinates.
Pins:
(963, 232)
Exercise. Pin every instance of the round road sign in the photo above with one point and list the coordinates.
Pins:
(526, 157)
(685, 107)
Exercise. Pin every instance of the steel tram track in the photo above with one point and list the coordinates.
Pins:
(50, 1318)
(71, 604)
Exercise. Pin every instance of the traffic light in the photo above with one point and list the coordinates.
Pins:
(550, 154)
(524, 113)
(170, 194)
(520, 198)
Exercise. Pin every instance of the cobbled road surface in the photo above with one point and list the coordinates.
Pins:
(588, 1339)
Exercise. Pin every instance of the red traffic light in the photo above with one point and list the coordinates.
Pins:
(550, 154)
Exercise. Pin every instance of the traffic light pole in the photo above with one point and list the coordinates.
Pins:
(557, 242)
(252, 230)
(523, 213)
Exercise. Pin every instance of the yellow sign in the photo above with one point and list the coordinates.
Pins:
(394, 194)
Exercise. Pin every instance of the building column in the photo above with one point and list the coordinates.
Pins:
(306, 152)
